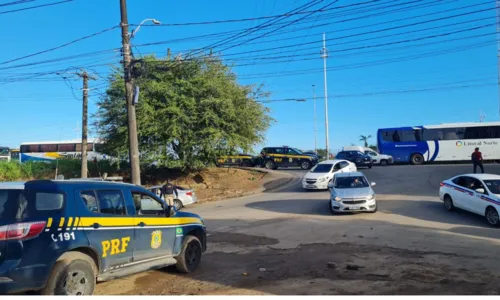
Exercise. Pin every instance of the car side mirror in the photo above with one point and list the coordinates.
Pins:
(480, 191)
(374, 184)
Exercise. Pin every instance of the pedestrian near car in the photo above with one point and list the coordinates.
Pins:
(477, 160)
(168, 193)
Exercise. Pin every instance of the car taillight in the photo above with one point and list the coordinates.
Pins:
(441, 184)
(190, 194)
(21, 231)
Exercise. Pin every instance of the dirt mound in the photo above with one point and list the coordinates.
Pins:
(215, 183)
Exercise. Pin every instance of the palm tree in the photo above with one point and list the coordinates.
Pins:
(364, 138)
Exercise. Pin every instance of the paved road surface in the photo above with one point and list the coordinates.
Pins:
(411, 246)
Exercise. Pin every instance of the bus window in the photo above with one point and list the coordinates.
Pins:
(48, 148)
(66, 147)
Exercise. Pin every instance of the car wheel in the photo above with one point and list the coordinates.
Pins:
(448, 203)
(332, 211)
(269, 164)
(190, 256)
(383, 162)
(305, 165)
(370, 166)
(417, 159)
(178, 204)
(492, 216)
(72, 276)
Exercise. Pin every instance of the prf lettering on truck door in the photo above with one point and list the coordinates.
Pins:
(115, 245)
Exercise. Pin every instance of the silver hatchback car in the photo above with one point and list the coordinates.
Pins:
(351, 192)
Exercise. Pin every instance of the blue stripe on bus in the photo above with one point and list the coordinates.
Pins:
(436, 150)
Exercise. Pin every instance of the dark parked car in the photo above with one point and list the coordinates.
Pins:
(359, 158)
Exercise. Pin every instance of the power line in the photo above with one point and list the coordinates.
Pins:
(16, 2)
(255, 28)
(274, 30)
(255, 18)
(33, 7)
(60, 46)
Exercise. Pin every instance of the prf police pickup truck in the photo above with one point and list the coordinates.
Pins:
(284, 157)
(61, 236)
(243, 160)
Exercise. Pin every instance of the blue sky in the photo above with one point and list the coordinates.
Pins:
(423, 89)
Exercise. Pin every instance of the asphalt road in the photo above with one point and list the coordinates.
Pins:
(412, 245)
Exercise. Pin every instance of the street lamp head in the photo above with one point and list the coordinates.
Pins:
(156, 22)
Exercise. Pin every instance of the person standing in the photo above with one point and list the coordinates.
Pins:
(168, 193)
(477, 160)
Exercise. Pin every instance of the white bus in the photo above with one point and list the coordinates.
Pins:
(4, 153)
(445, 142)
(49, 151)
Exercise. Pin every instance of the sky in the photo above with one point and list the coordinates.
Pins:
(390, 63)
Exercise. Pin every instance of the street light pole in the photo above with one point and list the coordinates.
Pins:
(324, 55)
(315, 129)
(129, 93)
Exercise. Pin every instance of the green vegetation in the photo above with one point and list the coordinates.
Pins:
(189, 113)
(11, 171)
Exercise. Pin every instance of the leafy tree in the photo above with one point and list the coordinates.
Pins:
(364, 139)
(373, 147)
(189, 113)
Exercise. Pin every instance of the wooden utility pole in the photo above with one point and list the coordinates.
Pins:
(85, 77)
(129, 95)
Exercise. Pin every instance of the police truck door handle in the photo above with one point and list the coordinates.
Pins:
(142, 224)
(96, 225)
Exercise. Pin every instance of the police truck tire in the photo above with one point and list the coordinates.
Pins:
(246, 163)
(305, 165)
(75, 274)
(190, 256)
(383, 162)
(417, 159)
(269, 165)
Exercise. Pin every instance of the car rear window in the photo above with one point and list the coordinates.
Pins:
(18, 204)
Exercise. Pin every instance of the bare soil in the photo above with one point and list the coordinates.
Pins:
(217, 183)
(245, 264)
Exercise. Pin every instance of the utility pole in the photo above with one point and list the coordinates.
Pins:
(498, 50)
(129, 94)
(315, 129)
(324, 55)
(85, 77)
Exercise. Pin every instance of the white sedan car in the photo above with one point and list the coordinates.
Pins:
(319, 176)
(477, 193)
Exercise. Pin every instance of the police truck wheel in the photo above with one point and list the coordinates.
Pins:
(269, 165)
(383, 162)
(73, 275)
(190, 256)
(178, 204)
(417, 159)
(305, 165)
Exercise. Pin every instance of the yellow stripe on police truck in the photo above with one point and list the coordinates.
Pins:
(133, 221)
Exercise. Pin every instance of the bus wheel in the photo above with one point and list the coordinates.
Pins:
(417, 159)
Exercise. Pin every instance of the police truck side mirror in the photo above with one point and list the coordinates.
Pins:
(480, 191)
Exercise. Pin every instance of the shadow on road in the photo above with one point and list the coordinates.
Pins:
(432, 211)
